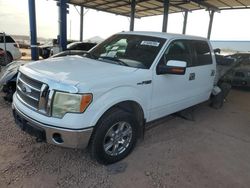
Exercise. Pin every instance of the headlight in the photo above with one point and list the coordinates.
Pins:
(66, 102)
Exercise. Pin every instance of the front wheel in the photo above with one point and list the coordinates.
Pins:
(114, 138)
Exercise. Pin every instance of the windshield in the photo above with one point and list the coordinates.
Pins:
(128, 50)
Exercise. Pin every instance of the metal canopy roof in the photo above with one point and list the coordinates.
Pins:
(155, 7)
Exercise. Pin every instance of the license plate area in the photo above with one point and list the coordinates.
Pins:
(27, 127)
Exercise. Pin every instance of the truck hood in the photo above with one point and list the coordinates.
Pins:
(74, 70)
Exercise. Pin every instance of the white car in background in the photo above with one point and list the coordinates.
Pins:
(12, 48)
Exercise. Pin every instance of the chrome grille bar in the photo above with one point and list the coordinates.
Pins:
(18, 87)
(34, 94)
(32, 87)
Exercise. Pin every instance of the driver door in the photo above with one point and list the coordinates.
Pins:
(171, 92)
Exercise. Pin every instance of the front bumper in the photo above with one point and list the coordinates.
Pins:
(54, 135)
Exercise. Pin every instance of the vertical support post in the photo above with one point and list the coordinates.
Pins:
(185, 23)
(132, 15)
(33, 34)
(165, 15)
(211, 15)
(81, 23)
(63, 24)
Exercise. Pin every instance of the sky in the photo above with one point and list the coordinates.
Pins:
(14, 19)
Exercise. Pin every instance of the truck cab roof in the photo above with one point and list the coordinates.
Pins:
(164, 35)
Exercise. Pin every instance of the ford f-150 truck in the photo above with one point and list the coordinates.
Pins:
(105, 98)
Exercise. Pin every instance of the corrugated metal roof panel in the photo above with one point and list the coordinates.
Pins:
(155, 7)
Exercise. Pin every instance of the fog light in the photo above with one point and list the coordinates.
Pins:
(57, 138)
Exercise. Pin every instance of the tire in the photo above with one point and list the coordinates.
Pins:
(8, 59)
(114, 138)
(218, 100)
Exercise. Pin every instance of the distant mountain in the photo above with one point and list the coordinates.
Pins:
(95, 39)
(26, 39)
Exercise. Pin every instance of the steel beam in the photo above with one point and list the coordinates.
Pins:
(81, 23)
(33, 35)
(165, 15)
(63, 24)
(206, 4)
(132, 15)
(211, 15)
(185, 22)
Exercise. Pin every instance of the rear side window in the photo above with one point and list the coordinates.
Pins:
(202, 53)
(8, 39)
(239, 74)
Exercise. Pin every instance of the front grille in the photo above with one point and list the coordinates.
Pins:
(32, 93)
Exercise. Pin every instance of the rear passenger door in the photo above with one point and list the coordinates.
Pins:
(203, 69)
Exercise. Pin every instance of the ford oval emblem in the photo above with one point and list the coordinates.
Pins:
(26, 89)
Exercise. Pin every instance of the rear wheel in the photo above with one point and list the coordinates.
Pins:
(114, 138)
(218, 100)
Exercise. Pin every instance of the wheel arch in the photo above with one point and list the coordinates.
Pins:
(9, 53)
(129, 106)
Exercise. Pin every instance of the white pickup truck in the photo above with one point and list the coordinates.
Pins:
(105, 99)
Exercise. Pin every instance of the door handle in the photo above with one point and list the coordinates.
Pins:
(192, 76)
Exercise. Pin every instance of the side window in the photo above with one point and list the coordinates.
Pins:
(179, 50)
(9, 39)
(202, 53)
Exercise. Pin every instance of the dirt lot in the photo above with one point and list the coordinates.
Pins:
(212, 151)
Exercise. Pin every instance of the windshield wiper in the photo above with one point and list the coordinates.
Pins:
(114, 59)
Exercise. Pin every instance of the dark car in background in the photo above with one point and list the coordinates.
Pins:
(44, 50)
(47, 50)
(86, 46)
(239, 76)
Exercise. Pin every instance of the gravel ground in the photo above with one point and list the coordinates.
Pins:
(211, 151)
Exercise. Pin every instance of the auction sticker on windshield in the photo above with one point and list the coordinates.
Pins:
(150, 43)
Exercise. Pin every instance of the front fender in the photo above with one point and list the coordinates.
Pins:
(115, 96)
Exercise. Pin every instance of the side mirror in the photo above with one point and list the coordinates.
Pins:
(172, 67)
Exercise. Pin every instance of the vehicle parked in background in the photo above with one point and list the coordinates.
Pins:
(239, 76)
(8, 79)
(2, 56)
(106, 98)
(12, 48)
(50, 49)
(241, 56)
(85, 46)
(23, 44)
(81, 46)
(44, 50)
